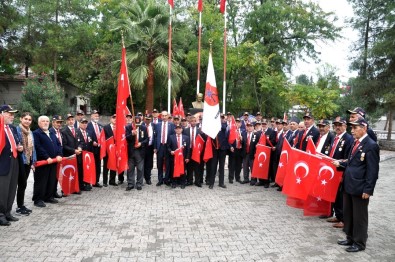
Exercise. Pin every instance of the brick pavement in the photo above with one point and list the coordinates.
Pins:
(240, 223)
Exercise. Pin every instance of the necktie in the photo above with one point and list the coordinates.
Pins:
(318, 141)
(334, 145)
(72, 131)
(248, 142)
(178, 141)
(96, 130)
(163, 133)
(303, 137)
(59, 136)
(238, 144)
(84, 134)
(354, 149)
(12, 141)
(136, 142)
(193, 137)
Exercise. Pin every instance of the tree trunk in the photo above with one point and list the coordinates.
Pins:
(149, 97)
(389, 124)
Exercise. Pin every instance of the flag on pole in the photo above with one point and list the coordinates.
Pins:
(232, 131)
(211, 115)
(175, 108)
(310, 148)
(181, 111)
(208, 150)
(260, 168)
(200, 5)
(197, 148)
(89, 167)
(171, 3)
(102, 142)
(222, 6)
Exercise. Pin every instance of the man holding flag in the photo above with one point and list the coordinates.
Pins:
(178, 147)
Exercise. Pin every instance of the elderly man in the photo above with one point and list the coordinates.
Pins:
(94, 127)
(359, 180)
(357, 113)
(310, 131)
(47, 147)
(9, 167)
(325, 139)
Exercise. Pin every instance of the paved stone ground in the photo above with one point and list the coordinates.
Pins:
(240, 223)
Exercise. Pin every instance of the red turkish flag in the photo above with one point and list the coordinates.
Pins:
(283, 163)
(102, 142)
(232, 131)
(261, 165)
(181, 108)
(111, 154)
(208, 150)
(176, 111)
(262, 139)
(89, 167)
(301, 174)
(200, 5)
(310, 147)
(295, 202)
(122, 157)
(171, 3)
(327, 181)
(222, 6)
(67, 175)
(197, 148)
(179, 169)
(315, 206)
(2, 133)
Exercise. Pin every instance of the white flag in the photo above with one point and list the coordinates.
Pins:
(211, 124)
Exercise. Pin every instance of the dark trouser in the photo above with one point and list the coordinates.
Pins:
(355, 210)
(162, 157)
(136, 161)
(272, 167)
(105, 173)
(8, 186)
(96, 154)
(247, 166)
(148, 162)
(338, 205)
(193, 169)
(212, 168)
(238, 163)
(231, 165)
(221, 166)
(44, 182)
(24, 171)
(80, 172)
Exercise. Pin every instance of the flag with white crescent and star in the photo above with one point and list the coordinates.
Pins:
(89, 167)
(67, 175)
(197, 148)
(211, 124)
(261, 165)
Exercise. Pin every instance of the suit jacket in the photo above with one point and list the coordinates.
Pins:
(172, 144)
(326, 148)
(223, 136)
(294, 137)
(91, 130)
(362, 168)
(253, 142)
(343, 147)
(142, 138)
(46, 147)
(86, 145)
(6, 154)
(313, 133)
(187, 132)
(70, 143)
(158, 133)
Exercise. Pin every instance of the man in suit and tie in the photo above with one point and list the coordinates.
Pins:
(57, 122)
(162, 131)
(149, 149)
(94, 128)
(250, 140)
(85, 142)
(176, 141)
(193, 167)
(340, 149)
(271, 141)
(238, 152)
(357, 113)
(9, 166)
(80, 114)
(137, 139)
(325, 139)
(359, 180)
(310, 131)
(293, 128)
(109, 131)
(155, 117)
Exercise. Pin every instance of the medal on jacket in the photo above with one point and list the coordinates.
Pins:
(142, 134)
(363, 156)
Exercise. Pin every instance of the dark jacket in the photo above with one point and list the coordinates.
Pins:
(6, 154)
(142, 138)
(46, 147)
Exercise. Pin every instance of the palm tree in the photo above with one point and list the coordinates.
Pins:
(145, 26)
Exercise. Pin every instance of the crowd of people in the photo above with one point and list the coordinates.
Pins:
(161, 134)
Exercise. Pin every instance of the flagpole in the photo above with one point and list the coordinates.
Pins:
(130, 89)
(224, 81)
(169, 65)
(199, 47)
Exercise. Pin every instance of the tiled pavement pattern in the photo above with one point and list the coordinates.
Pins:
(240, 223)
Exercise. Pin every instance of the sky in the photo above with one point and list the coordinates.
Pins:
(334, 53)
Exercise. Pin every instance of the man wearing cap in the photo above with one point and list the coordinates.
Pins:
(162, 131)
(193, 167)
(340, 149)
(85, 142)
(325, 139)
(285, 135)
(80, 114)
(359, 180)
(56, 128)
(293, 127)
(95, 128)
(258, 116)
(155, 117)
(310, 131)
(9, 166)
(137, 139)
(47, 148)
(357, 113)
(129, 119)
(244, 121)
(249, 152)
(71, 146)
(176, 141)
(109, 131)
(237, 149)
(149, 149)
(177, 121)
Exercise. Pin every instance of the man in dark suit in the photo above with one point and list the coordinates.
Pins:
(176, 141)
(271, 141)
(236, 158)
(57, 122)
(149, 149)
(137, 139)
(162, 131)
(359, 181)
(94, 128)
(109, 132)
(155, 117)
(249, 152)
(340, 149)
(193, 167)
(47, 147)
(310, 131)
(77, 119)
(325, 139)
(85, 142)
(9, 166)
(293, 127)
(222, 147)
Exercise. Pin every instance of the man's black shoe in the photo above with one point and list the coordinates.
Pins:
(159, 183)
(274, 185)
(238, 180)
(4, 222)
(52, 201)
(280, 188)
(57, 195)
(230, 181)
(223, 186)
(120, 182)
(105, 185)
(129, 188)
(11, 218)
(354, 248)
(346, 242)
(97, 185)
(139, 188)
(149, 182)
(182, 186)
(198, 184)
(245, 182)
(211, 186)
(40, 204)
(266, 185)
(167, 183)
(113, 184)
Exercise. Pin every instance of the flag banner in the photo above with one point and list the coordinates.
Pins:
(179, 168)
(211, 124)
(176, 112)
(283, 163)
(67, 174)
(295, 202)
(2, 133)
(200, 5)
(301, 175)
(314, 206)
(89, 167)
(111, 154)
(102, 142)
(260, 168)
(310, 148)
(122, 157)
(181, 108)
(222, 6)
(45, 162)
(197, 148)
(232, 131)
(171, 3)
(262, 139)
(208, 150)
